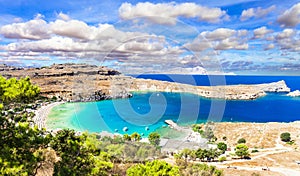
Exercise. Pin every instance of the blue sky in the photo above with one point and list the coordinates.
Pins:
(214, 37)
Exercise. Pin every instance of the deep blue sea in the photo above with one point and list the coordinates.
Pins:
(146, 111)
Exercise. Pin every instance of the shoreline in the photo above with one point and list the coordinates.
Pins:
(42, 113)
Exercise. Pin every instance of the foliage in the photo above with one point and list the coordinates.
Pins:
(17, 90)
(197, 128)
(154, 138)
(208, 154)
(129, 151)
(241, 141)
(154, 168)
(208, 133)
(241, 150)
(126, 137)
(223, 158)
(285, 137)
(19, 147)
(135, 136)
(222, 146)
(103, 164)
(201, 169)
(75, 158)
(254, 151)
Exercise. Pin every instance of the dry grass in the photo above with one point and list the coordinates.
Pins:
(257, 135)
(234, 172)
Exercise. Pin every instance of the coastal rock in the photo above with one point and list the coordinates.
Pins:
(279, 86)
(295, 93)
(83, 82)
(229, 92)
(73, 82)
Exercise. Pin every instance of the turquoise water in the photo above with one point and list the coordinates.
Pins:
(146, 112)
(143, 113)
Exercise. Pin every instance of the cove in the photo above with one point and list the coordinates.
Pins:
(146, 112)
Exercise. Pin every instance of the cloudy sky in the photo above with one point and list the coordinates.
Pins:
(232, 36)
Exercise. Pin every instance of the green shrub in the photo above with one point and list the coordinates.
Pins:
(222, 146)
(241, 141)
(290, 142)
(221, 159)
(285, 137)
(254, 151)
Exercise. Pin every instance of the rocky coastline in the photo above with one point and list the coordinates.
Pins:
(83, 82)
(228, 92)
(295, 93)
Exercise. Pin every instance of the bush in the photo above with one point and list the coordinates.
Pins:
(154, 138)
(254, 151)
(197, 128)
(241, 141)
(285, 137)
(290, 142)
(221, 159)
(153, 168)
(222, 146)
(241, 150)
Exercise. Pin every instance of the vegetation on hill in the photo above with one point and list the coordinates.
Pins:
(285, 137)
(14, 90)
(27, 150)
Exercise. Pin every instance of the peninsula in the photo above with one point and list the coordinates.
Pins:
(83, 82)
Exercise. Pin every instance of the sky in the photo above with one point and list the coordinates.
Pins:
(248, 37)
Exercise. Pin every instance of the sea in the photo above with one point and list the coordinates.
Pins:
(146, 112)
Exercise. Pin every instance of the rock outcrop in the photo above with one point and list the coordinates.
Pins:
(279, 86)
(295, 93)
(72, 82)
(229, 92)
(82, 82)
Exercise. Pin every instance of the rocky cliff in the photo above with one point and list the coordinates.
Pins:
(230, 92)
(82, 82)
(72, 82)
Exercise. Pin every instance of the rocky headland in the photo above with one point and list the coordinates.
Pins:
(229, 92)
(83, 82)
(295, 93)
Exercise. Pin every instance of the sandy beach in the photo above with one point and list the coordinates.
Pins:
(42, 113)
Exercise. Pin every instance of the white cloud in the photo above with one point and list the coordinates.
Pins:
(218, 34)
(74, 39)
(34, 29)
(256, 12)
(63, 16)
(270, 46)
(286, 33)
(291, 17)
(167, 13)
(288, 40)
(260, 33)
(220, 39)
(72, 28)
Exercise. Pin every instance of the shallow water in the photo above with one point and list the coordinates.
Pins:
(146, 112)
